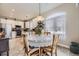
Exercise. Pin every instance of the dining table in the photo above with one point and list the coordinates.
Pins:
(40, 41)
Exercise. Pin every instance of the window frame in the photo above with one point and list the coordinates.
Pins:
(59, 15)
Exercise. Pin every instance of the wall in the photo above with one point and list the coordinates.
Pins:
(72, 21)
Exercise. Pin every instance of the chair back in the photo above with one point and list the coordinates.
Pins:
(25, 43)
(55, 42)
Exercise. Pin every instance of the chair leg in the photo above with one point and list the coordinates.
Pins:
(7, 53)
(56, 52)
(27, 54)
(45, 53)
(51, 53)
(0, 54)
(39, 51)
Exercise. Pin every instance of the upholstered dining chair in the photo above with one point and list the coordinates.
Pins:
(29, 50)
(52, 49)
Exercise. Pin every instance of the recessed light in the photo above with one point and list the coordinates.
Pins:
(13, 10)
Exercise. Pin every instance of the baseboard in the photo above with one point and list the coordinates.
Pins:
(63, 45)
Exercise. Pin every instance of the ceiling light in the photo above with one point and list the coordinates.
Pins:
(40, 18)
(13, 10)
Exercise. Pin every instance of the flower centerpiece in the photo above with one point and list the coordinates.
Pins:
(38, 29)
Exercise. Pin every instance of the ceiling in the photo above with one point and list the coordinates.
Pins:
(25, 11)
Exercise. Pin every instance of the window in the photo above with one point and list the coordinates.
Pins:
(56, 24)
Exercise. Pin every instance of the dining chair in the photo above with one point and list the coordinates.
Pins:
(28, 49)
(52, 49)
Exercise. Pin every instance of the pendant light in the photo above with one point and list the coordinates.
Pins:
(39, 17)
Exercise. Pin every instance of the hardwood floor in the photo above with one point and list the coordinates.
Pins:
(17, 49)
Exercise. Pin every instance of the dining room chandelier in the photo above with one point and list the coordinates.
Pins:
(39, 17)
